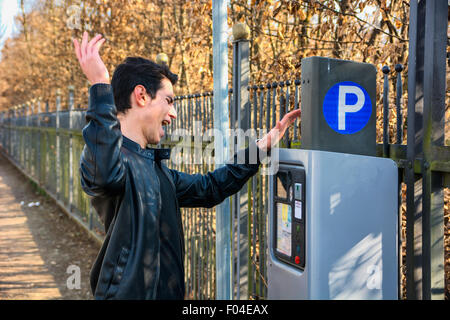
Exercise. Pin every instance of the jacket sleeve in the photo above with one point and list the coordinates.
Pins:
(197, 190)
(102, 170)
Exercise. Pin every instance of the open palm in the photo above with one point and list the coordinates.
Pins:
(277, 133)
(89, 58)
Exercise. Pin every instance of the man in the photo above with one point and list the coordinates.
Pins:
(137, 197)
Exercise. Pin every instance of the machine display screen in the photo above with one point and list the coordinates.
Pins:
(284, 229)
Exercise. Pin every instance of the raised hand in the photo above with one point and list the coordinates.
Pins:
(90, 61)
(275, 135)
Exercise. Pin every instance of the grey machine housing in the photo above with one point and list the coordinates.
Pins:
(348, 242)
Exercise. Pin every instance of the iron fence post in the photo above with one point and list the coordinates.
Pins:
(274, 108)
(21, 134)
(26, 144)
(255, 199)
(71, 90)
(434, 80)
(33, 139)
(38, 145)
(10, 115)
(296, 106)
(241, 109)
(398, 102)
(386, 71)
(410, 178)
(2, 128)
(14, 142)
(287, 104)
(426, 96)
(58, 144)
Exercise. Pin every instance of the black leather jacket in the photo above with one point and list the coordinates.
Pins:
(120, 178)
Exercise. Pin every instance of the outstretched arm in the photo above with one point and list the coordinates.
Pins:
(212, 188)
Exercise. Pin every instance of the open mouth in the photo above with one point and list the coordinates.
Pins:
(163, 123)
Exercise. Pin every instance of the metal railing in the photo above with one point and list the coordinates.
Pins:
(48, 145)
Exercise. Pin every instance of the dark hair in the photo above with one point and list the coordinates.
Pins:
(138, 71)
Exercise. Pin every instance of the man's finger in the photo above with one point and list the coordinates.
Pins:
(92, 43)
(84, 42)
(290, 117)
(77, 49)
(96, 47)
(293, 114)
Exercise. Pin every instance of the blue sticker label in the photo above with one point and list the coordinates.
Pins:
(347, 107)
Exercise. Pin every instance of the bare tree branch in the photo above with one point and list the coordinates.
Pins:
(350, 14)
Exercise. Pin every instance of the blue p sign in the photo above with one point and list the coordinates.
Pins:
(347, 107)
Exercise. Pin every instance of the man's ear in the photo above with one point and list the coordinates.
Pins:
(140, 95)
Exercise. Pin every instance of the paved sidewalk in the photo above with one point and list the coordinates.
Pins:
(38, 244)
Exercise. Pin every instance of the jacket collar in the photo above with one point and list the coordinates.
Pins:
(151, 153)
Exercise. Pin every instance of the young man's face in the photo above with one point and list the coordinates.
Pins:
(158, 112)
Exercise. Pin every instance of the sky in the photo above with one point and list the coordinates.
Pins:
(8, 10)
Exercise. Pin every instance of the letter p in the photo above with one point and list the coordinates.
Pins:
(344, 108)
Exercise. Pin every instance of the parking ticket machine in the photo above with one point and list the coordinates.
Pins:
(332, 227)
(333, 205)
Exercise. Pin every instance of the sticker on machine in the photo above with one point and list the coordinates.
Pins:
(284, 227)
(298, 210)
